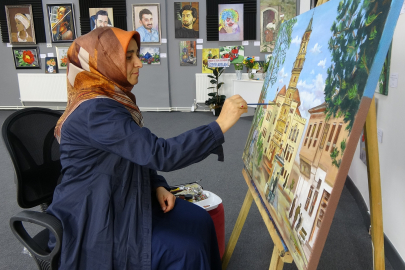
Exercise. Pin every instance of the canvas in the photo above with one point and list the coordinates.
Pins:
(383, 82)
(272, 14)
(318, 88)
(235, 53)
(230, 22)
(150, 55)
(51, 65)
(101, 17)
(209, 53)
(26, 58)
(188, 53)
(186, 23)
(61, 22)
(146, 20)
(61, 55)
(20, 24)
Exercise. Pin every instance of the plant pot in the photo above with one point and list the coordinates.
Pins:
(239, 74)
(217, 111)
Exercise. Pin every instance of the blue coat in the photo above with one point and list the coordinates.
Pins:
(109, 169)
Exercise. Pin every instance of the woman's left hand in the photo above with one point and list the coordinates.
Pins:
(165, 199)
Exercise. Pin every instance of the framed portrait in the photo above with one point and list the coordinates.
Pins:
(61, 55)
(186, 23)
(26, 57)
(20, 24)
(230, 22)
(101, 17)
(61, 22)
(188, 53)
(150, 55)
(51, 65)
(146, 20)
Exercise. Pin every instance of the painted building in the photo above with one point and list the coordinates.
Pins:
(319, 159)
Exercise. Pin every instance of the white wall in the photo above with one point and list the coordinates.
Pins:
(391, 150)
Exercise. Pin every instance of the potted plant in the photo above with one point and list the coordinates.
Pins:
(216, 100)
(249, 62)
(238, 69)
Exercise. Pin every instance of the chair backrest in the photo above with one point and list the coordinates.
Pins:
(34, 151)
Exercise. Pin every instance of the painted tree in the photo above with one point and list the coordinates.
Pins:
(356, 34)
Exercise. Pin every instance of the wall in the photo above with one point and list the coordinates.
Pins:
(391, 150)
(160, 86)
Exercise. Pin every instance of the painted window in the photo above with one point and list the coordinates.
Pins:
(306, 139)
(296, 135)
(330, 137)
(325, 133)
(312, 135)
(264, 132)
(336, 136)
(311, 190)
(317, 134)
(311, 209)
(286, 127)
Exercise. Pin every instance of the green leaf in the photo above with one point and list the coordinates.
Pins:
(373, 33)
(213, 94)
(210, 76)
(352, 92)
(213, 81)
(371, 18)
(211, 87)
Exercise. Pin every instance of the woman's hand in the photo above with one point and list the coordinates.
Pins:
(165, 199)
(231, 111)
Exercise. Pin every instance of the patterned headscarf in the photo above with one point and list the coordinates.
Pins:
(97, 69)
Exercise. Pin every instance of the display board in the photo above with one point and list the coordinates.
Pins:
(318, 88)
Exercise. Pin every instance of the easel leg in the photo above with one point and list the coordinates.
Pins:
(276, 261)
(247, 203)
(374, 185)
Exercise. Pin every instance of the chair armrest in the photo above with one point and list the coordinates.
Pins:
(42, 219)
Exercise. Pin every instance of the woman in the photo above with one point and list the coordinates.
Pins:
(115, 209)
(22, 22)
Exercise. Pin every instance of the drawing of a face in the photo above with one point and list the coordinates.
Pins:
(229, 22)
(61, 13)
(20, 26)
(187, 18)
(147, 21)
(102, 21)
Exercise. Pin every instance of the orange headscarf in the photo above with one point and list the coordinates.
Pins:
(97, 69)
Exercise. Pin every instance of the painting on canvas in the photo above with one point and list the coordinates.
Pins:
(210, 53)
(383, 82)
(236, 53)
(51, 65)
(318, 88)
(20, 24)
(272, 14)
(26, 57)
(61, 21)
(61, 55)
(186, 23)
(188, 54)
(101, 17)
(150, 55)
(146, 20)
(230, 22)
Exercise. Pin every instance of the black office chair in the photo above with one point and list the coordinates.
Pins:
(34, 151)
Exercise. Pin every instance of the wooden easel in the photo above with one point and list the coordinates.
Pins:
(279, 256)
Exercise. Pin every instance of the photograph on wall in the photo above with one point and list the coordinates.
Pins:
(317, 93)
(208, 53)
(150, 55)
(186, 22)
(230, 18)
(272, 14)
(61, 55)
(20, 24)
(188, 53)
(146, 20)
(101, 17)
(383, 82)
(236, 53)
(51, 65)
(61, 22)
(26, 58)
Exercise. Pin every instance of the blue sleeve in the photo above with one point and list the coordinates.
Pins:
(112, 129)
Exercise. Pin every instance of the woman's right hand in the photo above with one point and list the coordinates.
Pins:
(231, 111)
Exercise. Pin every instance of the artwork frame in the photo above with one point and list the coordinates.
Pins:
(23, 21)
(153, 12)
(101, 17)
(61, 56)
(188, 53)
(61, 18)
(190, 12)
(231, 24)
(317, 95)
(23, 58)
(154, 55)
(236, 54)
(51, 65)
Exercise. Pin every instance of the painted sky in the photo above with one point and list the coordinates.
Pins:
(312, 78)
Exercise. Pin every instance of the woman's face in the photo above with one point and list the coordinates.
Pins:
(61, 13)
(133, 62)
(20, 26)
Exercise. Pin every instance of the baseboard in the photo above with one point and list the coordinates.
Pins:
(142, 109)
(391, 254)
